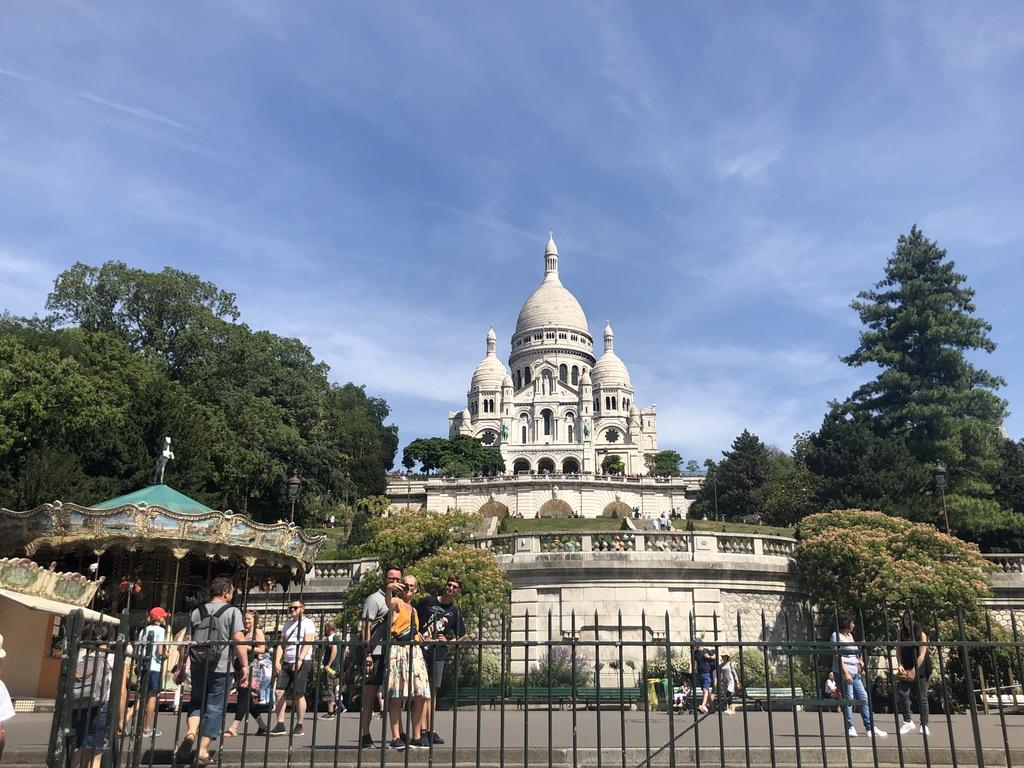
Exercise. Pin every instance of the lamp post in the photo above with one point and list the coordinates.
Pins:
(939, 477)
(294, 484)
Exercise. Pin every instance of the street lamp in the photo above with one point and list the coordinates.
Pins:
(939, 477)
(294, 484)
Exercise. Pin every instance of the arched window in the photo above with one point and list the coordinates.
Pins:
(525, 419)
(575, 374)
(519, 379)
(524, 434)
(548, 421)
(597, 405)
(613, 403)
(527, 376)
(563, 373)
(571, 435)
(607, 403)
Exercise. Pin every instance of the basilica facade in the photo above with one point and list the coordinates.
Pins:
(557, 407)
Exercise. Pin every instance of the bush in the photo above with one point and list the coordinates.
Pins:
(657, 667)
(558, 663)
(474, 668)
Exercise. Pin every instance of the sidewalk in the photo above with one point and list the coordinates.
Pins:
(626, 741)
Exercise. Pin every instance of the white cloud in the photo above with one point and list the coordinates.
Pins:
(748, 166)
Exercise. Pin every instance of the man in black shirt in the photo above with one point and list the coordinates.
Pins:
(440, 621)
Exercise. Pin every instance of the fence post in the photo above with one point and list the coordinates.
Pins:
(61, 724)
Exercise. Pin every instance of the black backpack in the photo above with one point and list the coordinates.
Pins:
(208, 637)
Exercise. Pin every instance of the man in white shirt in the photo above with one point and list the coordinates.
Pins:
(292, 661)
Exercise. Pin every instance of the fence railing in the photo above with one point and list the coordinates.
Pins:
(526, 691)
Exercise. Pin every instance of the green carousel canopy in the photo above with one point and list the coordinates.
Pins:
(158, 517)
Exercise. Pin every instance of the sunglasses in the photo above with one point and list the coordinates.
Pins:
(294, 607)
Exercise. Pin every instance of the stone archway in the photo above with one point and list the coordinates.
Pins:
(555, 508)
(545, 465)
(617, 509)
(521, 467)
(571, 466)
(493, 508)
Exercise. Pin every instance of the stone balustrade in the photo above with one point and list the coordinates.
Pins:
(1009, 563)
(689, 543)
(353, 570)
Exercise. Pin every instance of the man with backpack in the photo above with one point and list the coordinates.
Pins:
(214, 626)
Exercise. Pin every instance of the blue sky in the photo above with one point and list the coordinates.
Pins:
(378, 179)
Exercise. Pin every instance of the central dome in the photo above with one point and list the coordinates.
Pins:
(551, 305)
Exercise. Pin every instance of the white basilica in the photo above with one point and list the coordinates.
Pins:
(557, 408)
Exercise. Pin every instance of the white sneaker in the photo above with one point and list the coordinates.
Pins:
(907, 727)
(851, 732)
(925, 731)
(879, 732)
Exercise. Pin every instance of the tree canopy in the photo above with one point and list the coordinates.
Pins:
(928, 405)
(663, 463)
(864, 561)
(458, 456)
(736, 480)
(129, 356)
(920, 322)
(612, 464)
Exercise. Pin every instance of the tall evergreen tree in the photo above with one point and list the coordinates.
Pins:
(736, 479)
(920, 325)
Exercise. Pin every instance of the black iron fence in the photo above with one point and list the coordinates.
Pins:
(535, 691)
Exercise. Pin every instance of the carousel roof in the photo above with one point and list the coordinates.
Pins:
(158, 517)
(158, 496)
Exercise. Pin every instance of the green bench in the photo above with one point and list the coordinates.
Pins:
(561, 695)
(782, 697)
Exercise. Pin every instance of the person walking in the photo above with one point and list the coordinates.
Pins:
(915, 669)
(151, 641)
(292, 662)
(248, 692)
(91, 694)
(329, 693)
(849, 667)
(703, 665)
(372, 630)
(216, 627)
(441, 621)
(730, 682)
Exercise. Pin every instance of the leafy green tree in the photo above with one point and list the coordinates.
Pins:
(458, 456)
(693, 466)
(612, 465)
(128, 357)
(789, 492)
(1008, 478)
(432, 545)
(485, 587)
(663, 463)
(920, 326)
(737, 479)
(866, 561)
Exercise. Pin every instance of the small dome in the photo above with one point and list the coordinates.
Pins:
(585, 379)
(551, 249)
(610, 371)
(507, 381)
(633, 410)
(489, 373)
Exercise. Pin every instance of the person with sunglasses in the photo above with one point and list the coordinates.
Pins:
(407, 674)
(292, 661)
(373, 628)
(441, 621)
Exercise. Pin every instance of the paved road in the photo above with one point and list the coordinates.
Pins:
(626, 740)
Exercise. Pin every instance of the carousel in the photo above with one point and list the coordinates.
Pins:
(158, 547)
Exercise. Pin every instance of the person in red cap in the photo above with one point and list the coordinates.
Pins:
(153, 635)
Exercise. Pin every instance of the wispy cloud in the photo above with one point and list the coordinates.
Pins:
(140, 113)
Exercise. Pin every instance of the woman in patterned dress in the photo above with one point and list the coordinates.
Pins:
(407, 672)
